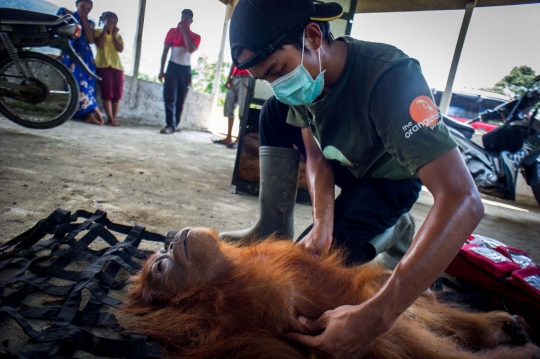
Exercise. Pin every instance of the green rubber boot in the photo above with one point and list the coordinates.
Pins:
(277, 195)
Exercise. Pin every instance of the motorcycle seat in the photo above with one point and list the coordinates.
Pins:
(24, 15)
(466, 129)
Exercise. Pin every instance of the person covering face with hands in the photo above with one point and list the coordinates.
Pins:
(362, 115)
(87, 84)
(109, 65)
(182, 42)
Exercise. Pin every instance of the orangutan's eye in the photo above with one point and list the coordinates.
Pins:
(158, 266)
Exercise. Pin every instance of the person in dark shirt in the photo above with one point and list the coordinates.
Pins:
(363, 116)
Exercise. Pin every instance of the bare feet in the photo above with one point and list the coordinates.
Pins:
(112, 124)
(90, 119)
(99, 116)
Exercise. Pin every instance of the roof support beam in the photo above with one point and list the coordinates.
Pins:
(137, 55)
(446, 97)
(138, 37)
(219, 65)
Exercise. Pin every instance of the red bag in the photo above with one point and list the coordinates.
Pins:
(528, 280)
(496, 271)
(484, 241)
(517, 255)
(489, 260)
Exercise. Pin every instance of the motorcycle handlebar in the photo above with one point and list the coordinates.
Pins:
(60, 20)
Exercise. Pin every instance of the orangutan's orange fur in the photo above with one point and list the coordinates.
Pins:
(209, 299)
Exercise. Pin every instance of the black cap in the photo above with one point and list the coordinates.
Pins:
(263, 26)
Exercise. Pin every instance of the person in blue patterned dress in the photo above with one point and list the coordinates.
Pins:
(87, 85)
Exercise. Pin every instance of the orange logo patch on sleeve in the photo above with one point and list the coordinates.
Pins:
(424, 111)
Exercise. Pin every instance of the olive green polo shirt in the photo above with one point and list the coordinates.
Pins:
(379, 119)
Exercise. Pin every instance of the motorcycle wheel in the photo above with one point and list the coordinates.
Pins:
(54, 104)
(536, 191)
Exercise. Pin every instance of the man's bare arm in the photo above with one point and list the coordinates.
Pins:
(163, 61)
(320, 177)
(456, 211)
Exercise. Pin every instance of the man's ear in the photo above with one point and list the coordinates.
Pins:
(313, 36)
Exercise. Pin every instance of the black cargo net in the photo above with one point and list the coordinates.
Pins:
(61, 284)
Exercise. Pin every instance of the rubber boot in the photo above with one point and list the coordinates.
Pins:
(396, 240)
(277, 195)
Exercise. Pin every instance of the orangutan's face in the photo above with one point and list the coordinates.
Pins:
(192, 258)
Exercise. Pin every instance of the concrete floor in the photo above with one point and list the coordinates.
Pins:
(164, 183)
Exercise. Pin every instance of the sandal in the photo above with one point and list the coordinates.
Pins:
(232, 145)
(220, 142)
(167, 130)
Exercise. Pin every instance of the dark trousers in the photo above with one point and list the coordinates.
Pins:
(175, 89)
(365, 208)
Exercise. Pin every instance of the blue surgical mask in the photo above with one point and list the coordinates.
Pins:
(298, 87)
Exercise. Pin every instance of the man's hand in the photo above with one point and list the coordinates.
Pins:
(161, 76)
(115, 31)
(317, 242)
(182, 27)
(347, 331)
(228, 84)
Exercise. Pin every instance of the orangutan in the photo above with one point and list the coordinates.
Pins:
(199, 297)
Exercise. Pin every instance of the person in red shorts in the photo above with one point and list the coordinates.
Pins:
(182, 42)
(109, 66)
(237, 84)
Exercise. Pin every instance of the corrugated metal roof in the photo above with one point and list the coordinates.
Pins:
(370, 6)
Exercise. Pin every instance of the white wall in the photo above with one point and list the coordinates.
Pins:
(149, 109)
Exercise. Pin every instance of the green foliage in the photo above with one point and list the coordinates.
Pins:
(148, 77)
(203, 75)
(517, 81)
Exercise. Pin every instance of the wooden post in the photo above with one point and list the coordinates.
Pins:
(447, 95)
(137, 55)
(219, 65)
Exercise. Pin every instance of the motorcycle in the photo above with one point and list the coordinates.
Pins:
(36, 90)
(512, 147)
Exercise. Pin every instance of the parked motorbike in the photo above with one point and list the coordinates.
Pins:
(512, 147)
(36, 90)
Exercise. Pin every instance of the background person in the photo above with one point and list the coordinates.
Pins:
(237, 84)
(182, 42)
(87, 84)
(363, 115)
(109, 66)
